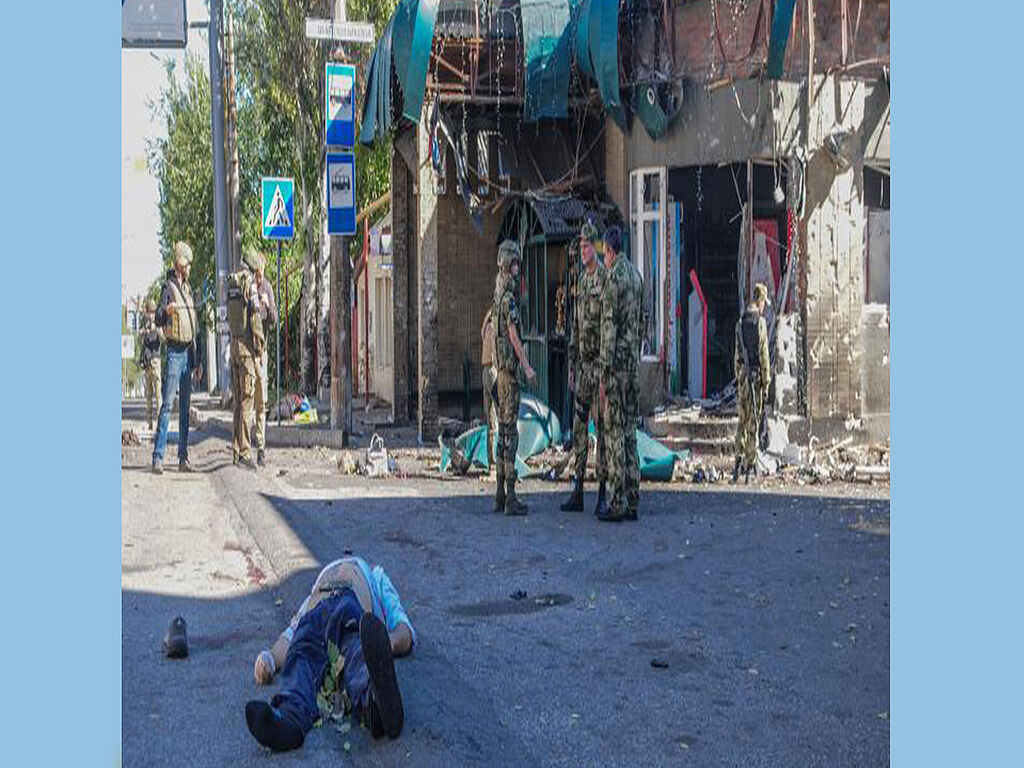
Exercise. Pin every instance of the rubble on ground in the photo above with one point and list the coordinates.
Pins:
(130, 437)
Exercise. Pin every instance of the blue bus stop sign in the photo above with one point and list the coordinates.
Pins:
(339, 111)
(341, 193)
(278, 208)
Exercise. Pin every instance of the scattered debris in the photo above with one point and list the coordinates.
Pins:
(130, 437)
(519, 594)
(659, 664)
(378, 463)
(176, 639)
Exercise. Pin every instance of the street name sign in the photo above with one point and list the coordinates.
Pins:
(341, 193)
(278, 197)
(342, 31)
(339, 110)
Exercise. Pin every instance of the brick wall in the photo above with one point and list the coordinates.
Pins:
(400, 215)
(466, 266)
(699, 55)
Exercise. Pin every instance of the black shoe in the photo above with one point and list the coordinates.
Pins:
(384, 693)
(601, 506)
(271, 728)
(245, 462)
(184, 465)
(260, 458)
(376, 723)
(608, 515)
(158, 468)
(630, 515)
(176, 640)
(575, 501)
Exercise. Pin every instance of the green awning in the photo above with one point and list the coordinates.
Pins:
(545, 58)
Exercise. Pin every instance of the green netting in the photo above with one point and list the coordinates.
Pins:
(545, 57)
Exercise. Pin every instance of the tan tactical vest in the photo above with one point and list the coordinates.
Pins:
(181, 327)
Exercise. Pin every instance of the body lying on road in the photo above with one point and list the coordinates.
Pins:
(357, 609)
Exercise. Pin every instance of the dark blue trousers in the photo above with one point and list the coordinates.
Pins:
(334, 618)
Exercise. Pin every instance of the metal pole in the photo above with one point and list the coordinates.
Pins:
(220, 198)
(277, 345)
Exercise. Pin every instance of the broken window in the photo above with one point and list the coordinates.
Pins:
(647, 246)
(876, 261)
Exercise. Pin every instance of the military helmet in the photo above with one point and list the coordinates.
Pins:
(508, 252)
(150, 305)
(761, 293)
(252, 258)
(589, 231)
(182, 253)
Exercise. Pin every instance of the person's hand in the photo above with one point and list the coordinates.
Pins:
(531, 375)
(171, 307)
(264, 668)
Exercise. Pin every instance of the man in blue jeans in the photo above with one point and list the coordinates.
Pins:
(176, 314)
(358, 609)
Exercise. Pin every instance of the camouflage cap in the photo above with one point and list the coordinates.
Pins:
(761, 293)
(182, 253)
(252, 258)
(508, 252)
(589, 231)
(150, 305)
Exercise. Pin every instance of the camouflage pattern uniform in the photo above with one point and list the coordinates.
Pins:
(487, 381)
(584, 349)
(619, 366)
(753, 376)
(149, 361)
(506, 313)
(247, 346)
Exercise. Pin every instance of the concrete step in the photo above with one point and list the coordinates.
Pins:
(703, 428)
(700, 447)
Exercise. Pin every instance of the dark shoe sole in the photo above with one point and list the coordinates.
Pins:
(268, 730)
(373, 636)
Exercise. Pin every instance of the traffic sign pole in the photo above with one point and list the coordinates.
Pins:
(278, 344)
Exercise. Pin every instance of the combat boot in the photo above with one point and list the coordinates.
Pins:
(610, 515)
(602, 507)
(499, 496)
(575, 501)
(513, 506)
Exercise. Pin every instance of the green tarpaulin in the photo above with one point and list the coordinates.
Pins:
(545, 57)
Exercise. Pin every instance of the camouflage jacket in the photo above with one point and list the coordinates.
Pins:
(620, 318)
(585, 342)
(506, 312)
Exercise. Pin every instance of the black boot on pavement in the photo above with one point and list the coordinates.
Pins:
(271, 728)
(261, 457)
(384, 693)
(575, 501)
(602, 507)
(513, 506)
(176, 639)
(609, 514)
(158, 467)
(245, 462)
(184, 465)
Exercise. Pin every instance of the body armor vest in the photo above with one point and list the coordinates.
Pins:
(748, 333)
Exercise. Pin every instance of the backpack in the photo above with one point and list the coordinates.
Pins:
(238, 308)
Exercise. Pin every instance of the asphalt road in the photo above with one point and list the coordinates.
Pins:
(770, 610)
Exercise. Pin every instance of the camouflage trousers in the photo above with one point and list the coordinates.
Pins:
(622, 406)
(260, 401)
(586, 397)
(487, 384)
(749, 411)
(243, 389)
(508, 430)
(152, 384)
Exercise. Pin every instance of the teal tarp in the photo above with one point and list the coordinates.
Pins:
(596, 26)
(545, 57)
(782, 22)
(539, 428)
(376, 120)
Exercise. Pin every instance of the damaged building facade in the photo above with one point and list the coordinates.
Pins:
(734, 142)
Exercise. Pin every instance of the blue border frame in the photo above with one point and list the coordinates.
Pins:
(340, 221)
(277, 233)
(339, 133)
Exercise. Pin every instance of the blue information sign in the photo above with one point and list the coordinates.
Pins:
(278, 209)
(339, 111)
(341, 193)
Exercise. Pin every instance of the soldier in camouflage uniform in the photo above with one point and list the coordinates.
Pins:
(247, 347)
(753, 376)
(149, 360)
(509, 357)
(619, 364)
(584, 347)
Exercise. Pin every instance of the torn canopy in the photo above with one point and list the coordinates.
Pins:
(596, 25)
(546, 52)
(376, 121)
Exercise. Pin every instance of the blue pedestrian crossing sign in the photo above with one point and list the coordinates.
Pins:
(341, 193)
(278, 208)
(339, 111)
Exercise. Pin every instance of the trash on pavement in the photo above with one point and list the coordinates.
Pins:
(176, 639)
(378, 463)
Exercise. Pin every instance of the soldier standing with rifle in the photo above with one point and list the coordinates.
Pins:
(619, 371)
(753, 376)
(509, 358)
(584, 348)
(247, 347)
